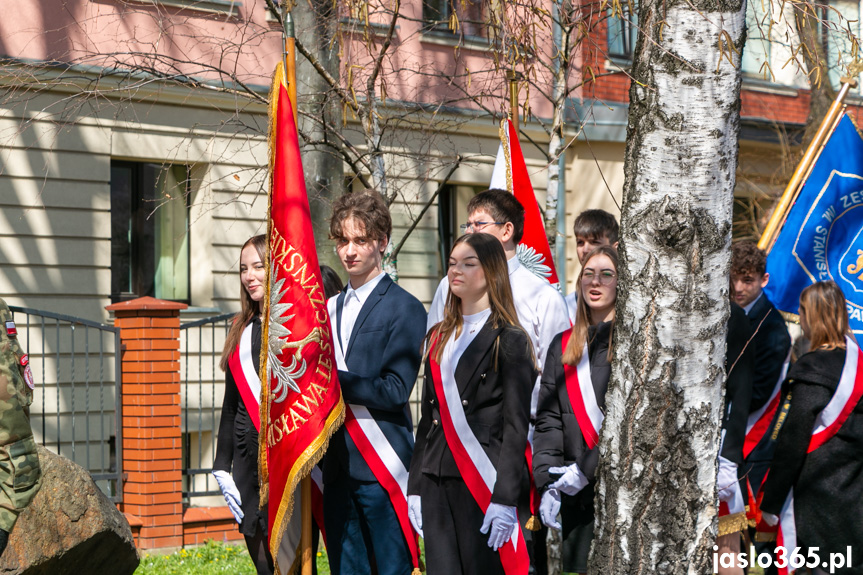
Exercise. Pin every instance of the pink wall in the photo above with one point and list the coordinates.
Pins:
(116, 33)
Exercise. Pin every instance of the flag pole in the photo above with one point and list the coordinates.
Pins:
(290, 59)
(513, 97)
(798, 178)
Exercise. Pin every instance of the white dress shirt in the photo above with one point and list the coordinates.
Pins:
(541, 311)
(472, 326)
(354, 301)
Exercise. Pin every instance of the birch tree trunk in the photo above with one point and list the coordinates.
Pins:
(656, 500)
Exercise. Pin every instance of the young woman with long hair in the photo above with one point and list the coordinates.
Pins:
(236, 463)
(468, 482)
(571, 407)
(815, 484)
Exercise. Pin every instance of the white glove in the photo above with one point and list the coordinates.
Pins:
(503, 520)
(229, 490)
(549, 507)
(415, 513)
(726, 479)
(571, 482)
(770, 519)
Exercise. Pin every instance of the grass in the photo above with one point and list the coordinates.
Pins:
(210, 559)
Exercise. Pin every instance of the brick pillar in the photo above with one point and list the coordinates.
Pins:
(152, 444)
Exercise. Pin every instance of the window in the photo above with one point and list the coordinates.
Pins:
(456, 16)
(622, 31)
(756, 50)
(843, 23)
(149, 231)
(452, 212)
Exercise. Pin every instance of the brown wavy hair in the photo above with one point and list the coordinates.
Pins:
(492, 258)
(575, 347)
(249, 307)
(824, 306)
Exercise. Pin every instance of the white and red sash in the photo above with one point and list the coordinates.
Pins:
(758, 421)
(473, 463)
(242, 367)
(377, 452)
(829, 421)
(579, 388)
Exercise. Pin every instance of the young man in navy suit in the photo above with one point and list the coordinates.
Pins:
(378, 329)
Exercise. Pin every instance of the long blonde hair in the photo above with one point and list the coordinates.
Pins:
(492, 258)
(575, 347)
(823, 303)
(249, 307)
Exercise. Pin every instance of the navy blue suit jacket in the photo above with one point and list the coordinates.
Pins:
(383, 359)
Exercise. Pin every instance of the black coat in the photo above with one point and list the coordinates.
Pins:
(828, 483)
(496, 401)
(772, 342)
(557, 439)
(237, 447)
(739, 365)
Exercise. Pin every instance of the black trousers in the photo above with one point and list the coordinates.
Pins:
(451, 523)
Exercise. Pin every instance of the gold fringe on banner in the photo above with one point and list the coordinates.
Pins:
(733, 523)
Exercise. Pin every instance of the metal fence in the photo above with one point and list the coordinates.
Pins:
(202, 390)
(76, 410)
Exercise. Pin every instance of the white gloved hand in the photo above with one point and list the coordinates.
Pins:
(415, 513)
(549, 507)
(229, 490)
(726, 479)
(770, 519)
(502, 519)
(571, 482)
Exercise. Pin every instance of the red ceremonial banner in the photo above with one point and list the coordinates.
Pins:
(301, 402)
(538, 259)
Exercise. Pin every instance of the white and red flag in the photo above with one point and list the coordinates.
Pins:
(510, 173)
(301, 402)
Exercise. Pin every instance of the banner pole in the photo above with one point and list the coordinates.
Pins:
(513, 97)
(798, 178)
(290, 62)
(306, 536)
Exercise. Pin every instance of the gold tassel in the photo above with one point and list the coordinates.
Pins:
(765, 537)
(416, 571)
(729, 524)
(532, 523)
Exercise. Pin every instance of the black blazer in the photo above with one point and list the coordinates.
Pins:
(557, 440)
(828, 483)
(496, 400)
(383, 360)
(739, 367)
(237, 447)
(772, 342)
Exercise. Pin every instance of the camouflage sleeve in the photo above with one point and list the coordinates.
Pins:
(20, 475)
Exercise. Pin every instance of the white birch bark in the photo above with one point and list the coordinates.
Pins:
(656, 498)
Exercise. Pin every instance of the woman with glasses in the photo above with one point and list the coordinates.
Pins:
(571, 408)
(468, 481)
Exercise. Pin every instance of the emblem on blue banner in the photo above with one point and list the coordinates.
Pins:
(823, 234)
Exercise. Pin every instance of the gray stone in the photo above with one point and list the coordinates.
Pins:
(71, 527)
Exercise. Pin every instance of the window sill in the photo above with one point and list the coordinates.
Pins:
(353, 25)
(442, 38)
(768, 87)
(224, 7)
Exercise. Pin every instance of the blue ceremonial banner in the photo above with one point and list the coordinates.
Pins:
(823, 234)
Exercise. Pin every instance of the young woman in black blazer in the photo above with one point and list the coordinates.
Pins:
(821, 470)
(564, 443)
(236, 463)
(468, 482)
